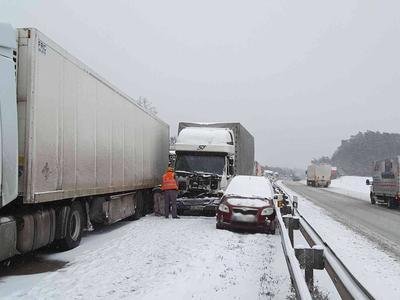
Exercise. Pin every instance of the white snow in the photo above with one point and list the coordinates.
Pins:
(248, 202)
(158, 258)
(374, 268)
(250, 186)
(353, 186)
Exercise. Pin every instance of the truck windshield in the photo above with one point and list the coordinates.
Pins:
(199, 162)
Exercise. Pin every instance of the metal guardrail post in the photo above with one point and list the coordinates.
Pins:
(292, 223)
(296, 275)
(310, 259)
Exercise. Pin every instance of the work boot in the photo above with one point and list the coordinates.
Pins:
(175, 217)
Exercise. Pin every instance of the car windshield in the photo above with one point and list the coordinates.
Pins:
(200, 162)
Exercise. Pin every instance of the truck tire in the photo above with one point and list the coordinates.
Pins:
(218, 225)
(371, 196)
(139, 206)
(390, 203)
(75, 223)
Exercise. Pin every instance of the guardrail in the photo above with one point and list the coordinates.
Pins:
(345, 282)
(296, 274)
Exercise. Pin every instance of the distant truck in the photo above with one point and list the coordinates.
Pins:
(385, 185)
(74, 150)
(208, 155)
(319, 175)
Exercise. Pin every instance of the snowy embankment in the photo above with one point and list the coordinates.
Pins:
(156, 258)
(377, 270)
(353, 186)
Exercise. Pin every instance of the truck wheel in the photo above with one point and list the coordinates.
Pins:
(371, 196)
(391, 203)
(75, 223)
(139, 207)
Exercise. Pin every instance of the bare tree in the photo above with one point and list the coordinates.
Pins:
(147, 105)
(172, 140)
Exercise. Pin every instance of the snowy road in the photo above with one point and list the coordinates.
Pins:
(375, 222)
(155, 258)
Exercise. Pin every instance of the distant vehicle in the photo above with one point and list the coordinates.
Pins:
(247, 204)
(319, 175)
(296, 178)
(268, 173)
(208, 155)
(257, 169)
(385, 185)
(334, 173)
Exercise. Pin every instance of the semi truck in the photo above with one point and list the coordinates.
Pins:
(319, 175)
(208, 155)
(75, 150)
(385, 185)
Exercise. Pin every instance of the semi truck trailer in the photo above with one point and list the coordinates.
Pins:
(208, 155)
(319, 175)
(385, 185)
(75, 150)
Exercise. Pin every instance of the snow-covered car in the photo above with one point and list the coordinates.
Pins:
(247, 204)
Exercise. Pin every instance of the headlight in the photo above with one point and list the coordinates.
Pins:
(224, 208)
(267, 211)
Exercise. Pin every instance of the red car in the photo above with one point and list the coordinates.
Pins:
(247, 204)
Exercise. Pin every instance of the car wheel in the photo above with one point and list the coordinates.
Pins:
(75, 223)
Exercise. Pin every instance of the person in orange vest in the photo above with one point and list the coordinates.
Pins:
(170, 191)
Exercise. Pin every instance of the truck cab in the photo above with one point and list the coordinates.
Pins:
(204, 160)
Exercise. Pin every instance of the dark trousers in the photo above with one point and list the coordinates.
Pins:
(170, 200)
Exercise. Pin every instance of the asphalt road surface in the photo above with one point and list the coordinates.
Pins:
(378, 223)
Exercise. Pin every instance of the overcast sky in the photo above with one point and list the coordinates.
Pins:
(300, 75)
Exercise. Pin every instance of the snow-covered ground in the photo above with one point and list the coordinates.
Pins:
(377, 270)
(353, 186)
(155, 258)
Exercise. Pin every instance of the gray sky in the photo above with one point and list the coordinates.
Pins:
(300, 75)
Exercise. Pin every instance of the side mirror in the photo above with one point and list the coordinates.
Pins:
(231, 168)
(367, 182)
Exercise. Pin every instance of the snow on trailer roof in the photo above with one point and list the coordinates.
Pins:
(250, 186)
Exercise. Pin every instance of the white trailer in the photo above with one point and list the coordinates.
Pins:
(319, 175)
(86, 152)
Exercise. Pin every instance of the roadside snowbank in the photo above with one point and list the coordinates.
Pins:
(156, 258)
(376, 270)
(353, 186)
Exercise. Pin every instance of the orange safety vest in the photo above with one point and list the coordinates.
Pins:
(168, 182)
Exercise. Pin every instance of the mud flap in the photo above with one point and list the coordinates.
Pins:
(8, 237)
(61, 222)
